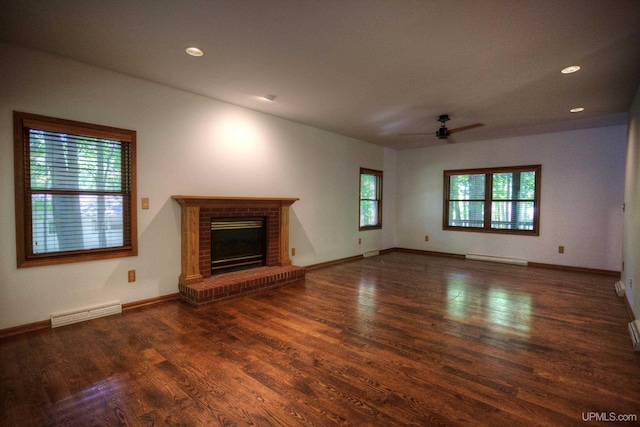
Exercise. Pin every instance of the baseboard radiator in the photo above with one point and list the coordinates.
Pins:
(489, 258)
(371, 253)
(67, 318)
(620, 288)
(634, 333)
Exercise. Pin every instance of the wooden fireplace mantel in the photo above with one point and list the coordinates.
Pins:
(190, 229)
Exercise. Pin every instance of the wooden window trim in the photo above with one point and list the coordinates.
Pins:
(21, 123)
(379, 174)
(488, 199)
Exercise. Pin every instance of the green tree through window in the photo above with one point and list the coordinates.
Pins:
(370, 199)
(499, 200)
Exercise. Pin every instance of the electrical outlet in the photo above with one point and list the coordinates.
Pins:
(293, 251)
(359, 241)
(132, 275)
(426, 238)
(561, 249)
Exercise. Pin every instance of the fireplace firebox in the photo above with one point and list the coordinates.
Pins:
(237, 244)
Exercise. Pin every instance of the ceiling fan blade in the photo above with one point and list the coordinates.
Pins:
(416, 134)
(460, 129)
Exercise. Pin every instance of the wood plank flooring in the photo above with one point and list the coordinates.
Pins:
(394, 340)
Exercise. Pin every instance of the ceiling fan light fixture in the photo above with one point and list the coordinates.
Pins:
(194, 51)
(442, 133)
(571, 69)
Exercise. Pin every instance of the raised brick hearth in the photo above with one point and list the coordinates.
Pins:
(196, 284)
(240, 283)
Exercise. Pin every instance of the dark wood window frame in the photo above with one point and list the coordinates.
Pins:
(26, 255)
(377, 200)
(488, 200)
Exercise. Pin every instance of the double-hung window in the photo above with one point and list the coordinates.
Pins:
(75, 191)
(494, 200)
(370, 199)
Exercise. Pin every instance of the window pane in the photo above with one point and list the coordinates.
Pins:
(368, 213)
(466, 187)
(466, 214)
(502, 186)
(514, 185)
(527, 185)
(368, 186)
(63, 161)
(512, 215)
(63, 223)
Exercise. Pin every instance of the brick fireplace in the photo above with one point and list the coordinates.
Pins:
(196, 284)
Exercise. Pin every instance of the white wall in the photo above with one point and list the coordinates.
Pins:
(194, 145)
(631, 245)
(581, 201)
(188, 145)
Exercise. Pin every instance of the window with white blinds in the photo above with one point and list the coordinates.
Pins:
(75, 192)
(496, 200)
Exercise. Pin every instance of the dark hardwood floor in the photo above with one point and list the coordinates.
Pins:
(398, 339)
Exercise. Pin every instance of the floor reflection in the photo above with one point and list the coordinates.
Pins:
(456, 295)
(497, 305)
(367, 301)
(99, 401)
(367, 306)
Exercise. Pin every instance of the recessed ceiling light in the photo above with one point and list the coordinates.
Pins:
(577, 109)
(571, 69)
(194, 51)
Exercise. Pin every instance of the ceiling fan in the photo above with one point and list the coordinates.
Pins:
(443, 132)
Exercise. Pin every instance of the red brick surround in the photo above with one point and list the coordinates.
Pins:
(273, 232)
(196, 285)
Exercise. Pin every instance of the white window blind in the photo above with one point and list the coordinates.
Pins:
(79, 187)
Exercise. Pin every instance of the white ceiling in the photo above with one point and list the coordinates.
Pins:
(369, 69)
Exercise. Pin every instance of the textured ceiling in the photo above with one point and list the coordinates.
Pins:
(372, 70)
